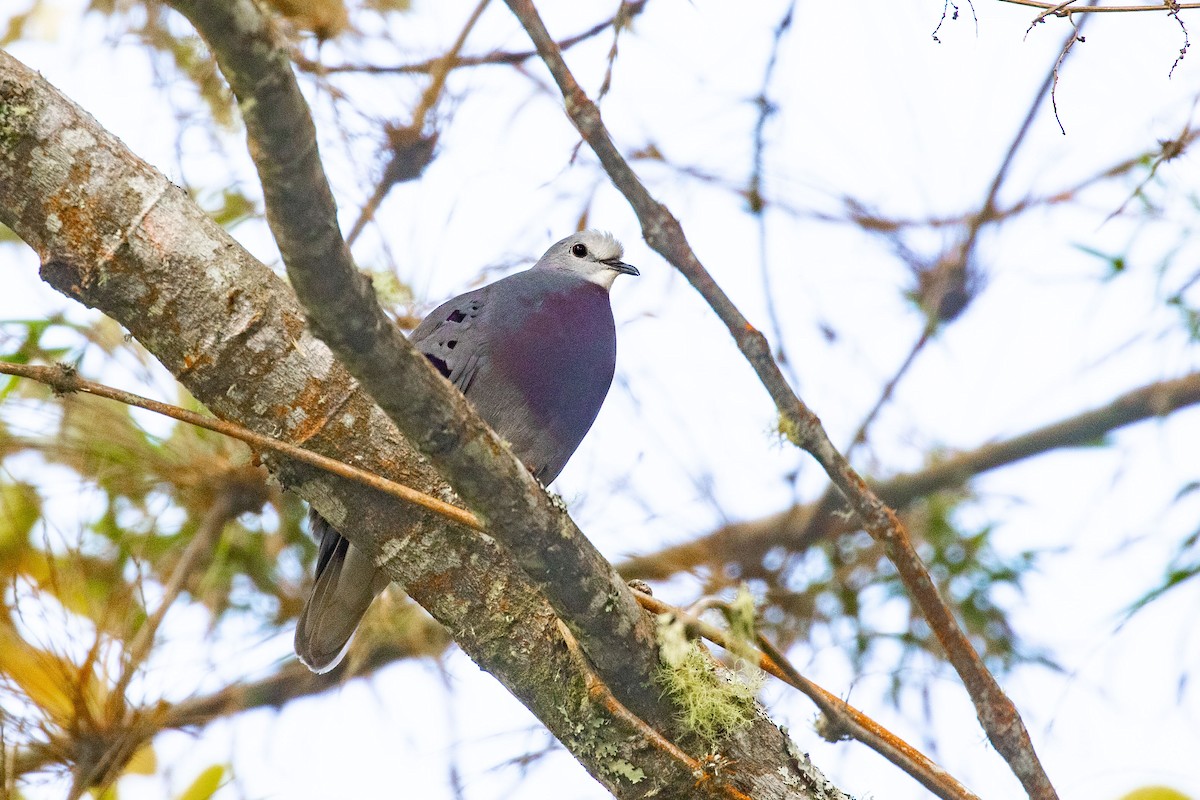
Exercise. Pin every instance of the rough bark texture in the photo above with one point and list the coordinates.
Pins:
(115, 235)
(341, 307)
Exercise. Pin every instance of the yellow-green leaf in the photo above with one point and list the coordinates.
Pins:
(205, 785)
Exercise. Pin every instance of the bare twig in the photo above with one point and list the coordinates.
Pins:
(411, 150)
(626, 11)
(64, 381)
(754, 191)
(1068, 45)
(1063, 10)
(663, 232)
(1187, 42)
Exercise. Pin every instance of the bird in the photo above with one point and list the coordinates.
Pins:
(534, 353)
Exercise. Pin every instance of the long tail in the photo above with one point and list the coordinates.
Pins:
(346, 583)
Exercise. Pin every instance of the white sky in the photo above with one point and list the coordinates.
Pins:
(871, 107)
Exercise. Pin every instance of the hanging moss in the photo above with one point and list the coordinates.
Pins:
(712, 702)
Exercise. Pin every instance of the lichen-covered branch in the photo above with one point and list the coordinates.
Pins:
(116, 235)
(343, 312)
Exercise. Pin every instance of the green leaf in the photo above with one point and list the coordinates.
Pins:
(205, 785)
(20, 509)
(1155, 793)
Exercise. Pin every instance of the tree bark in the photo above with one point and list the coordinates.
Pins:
(114, 234)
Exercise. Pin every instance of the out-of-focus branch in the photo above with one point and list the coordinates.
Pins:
(748, 541)
(626, 12)
(662, 231)
(423, 637)
(411, 147)
(226, 507)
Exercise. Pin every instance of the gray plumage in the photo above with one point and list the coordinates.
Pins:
(535, 354)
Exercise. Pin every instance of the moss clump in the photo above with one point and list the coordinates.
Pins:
(713, 702)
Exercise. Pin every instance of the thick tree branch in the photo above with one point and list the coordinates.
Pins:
(116, 235)
(748, 541)
(343, 312)
(996, 712)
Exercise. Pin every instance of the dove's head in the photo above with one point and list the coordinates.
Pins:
(595, 255)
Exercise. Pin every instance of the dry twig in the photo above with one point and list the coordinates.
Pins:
(64, 381)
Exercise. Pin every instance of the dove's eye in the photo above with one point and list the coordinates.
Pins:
(579, 250)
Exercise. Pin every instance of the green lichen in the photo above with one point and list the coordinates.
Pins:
(712, 702)
(621, 767)
(789, 430)
(10, 126)
(740, 615)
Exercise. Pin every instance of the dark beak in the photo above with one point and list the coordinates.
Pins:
(620, 266)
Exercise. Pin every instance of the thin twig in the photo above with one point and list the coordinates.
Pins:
(1061, 10)
(1068, 45)
(394, 173)
(995, 711)
(63, 381)
(628, 9)
(844, 717)
(754, 191)
(620, 20)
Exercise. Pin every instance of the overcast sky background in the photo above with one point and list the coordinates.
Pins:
(870, 107)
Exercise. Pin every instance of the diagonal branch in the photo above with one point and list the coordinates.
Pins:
(996, 712)
(343, 312)
(116, 235)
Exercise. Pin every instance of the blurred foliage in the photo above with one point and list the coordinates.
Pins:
(1184, 565)
(233, 207)
(848, 591)
(98, 504)
(206, 784)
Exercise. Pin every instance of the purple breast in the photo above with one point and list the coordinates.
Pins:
(562, 353)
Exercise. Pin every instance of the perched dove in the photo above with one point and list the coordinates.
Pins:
(535, 354)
